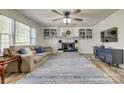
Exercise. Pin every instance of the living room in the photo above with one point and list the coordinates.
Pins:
(25, 30)
(61, 46)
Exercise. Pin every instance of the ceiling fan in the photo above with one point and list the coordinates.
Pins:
(67, 16)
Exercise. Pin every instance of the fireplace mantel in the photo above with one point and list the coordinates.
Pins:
(68, 45)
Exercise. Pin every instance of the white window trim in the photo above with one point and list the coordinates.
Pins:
(12, 34)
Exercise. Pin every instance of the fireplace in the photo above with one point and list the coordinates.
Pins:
(68, 47)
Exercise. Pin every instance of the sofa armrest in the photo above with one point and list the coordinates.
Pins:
(27, 62)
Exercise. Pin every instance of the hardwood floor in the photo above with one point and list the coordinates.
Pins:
(11, 78)
(115, 73)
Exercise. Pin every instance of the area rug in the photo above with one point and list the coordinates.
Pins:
(66, 68)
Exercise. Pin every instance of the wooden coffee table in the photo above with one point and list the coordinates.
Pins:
(4, 61)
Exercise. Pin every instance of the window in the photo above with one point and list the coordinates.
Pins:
(33, 36)
(15, 33)
(5, 30)
(22, 34)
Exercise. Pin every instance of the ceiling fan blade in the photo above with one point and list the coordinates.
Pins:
(53, 10)
(57, 19)
(76, 12)
(77, 19)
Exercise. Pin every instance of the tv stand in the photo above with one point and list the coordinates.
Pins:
(110, 56)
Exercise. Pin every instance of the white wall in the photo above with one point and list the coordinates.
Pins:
(39, 37)
(74, 31)
(114, 20)
(49, 42)
(84, 45)
(14, 14)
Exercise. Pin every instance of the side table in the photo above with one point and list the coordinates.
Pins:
(4, 61)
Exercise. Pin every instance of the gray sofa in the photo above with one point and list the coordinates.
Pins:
(29, 62)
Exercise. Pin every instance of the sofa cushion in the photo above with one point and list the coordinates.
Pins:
(34, 51)
(31, 47)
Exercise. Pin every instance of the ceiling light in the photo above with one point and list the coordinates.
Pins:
(67, 20)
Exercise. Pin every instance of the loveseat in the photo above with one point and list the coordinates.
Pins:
(29, 61)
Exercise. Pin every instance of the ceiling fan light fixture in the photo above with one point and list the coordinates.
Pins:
(64, 20)
(67, 20)
(67, 14)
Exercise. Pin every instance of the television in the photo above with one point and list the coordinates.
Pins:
(110, 35)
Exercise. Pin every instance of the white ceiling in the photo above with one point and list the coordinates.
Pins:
(45, 16)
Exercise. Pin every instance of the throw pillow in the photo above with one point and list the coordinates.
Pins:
(43, 49)
(22, 51)
(40, 50)
(28, 51)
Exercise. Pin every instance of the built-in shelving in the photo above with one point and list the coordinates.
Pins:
(50, 33)
(85, 33)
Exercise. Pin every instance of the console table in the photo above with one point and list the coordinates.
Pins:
(110, 56)
(4, 61)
